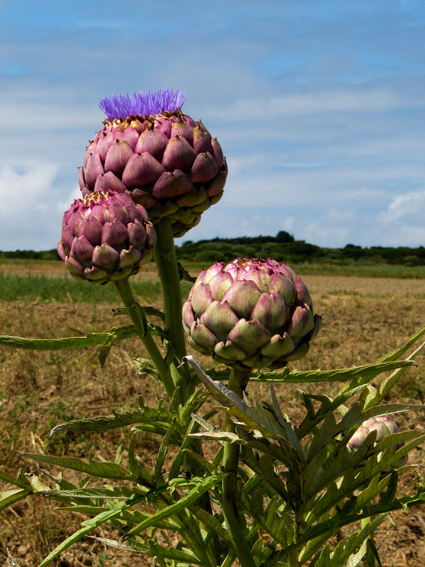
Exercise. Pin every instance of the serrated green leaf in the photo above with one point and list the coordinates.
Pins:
(162, 451)
(205, 464)
(192, 406)
(368, 494)
(20, 480)
(187, 500)
(123, 493)
(67, 343)
(253, 417)
(145, 366)
(355, 416)
(415, 500)
(186, 447)
(89, 525)
(93, 468)
(388, 384)
(157, 428)
(327, 431)
(153, 312)
(85, 509)
(279, 525)
(105, 349)
(212, 523)
(119, 545)
(117, 420)
(327, 405)
(9, 497)
(265, 474)
(372, 555)
(368, 372)
(171, 553)
(404, 347)
(346, 548)
(390, 458)
(330, 464)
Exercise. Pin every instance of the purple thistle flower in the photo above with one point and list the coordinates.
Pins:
(143, 103)
(168, 162)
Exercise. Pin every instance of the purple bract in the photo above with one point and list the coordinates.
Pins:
(106, 237)
(253, 313)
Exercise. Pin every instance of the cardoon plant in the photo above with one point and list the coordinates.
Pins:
(274, 493)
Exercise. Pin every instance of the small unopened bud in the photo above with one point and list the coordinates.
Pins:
(383, 426)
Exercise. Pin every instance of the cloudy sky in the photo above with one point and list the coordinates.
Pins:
(319, 107)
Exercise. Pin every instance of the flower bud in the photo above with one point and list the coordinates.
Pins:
(254, 313)
(383, 426)
(106, 237)
(165, 160)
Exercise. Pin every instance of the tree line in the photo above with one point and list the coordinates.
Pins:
(281, 247)
(284, 247)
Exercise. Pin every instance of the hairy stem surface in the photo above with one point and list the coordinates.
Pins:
(137, 316)
(234, 522)
(165, 258)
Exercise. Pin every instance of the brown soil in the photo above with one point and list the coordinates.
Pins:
(362, 320)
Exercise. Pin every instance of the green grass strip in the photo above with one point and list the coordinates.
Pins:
(43, 288)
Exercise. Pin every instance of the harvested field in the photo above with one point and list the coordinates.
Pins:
(363, 318)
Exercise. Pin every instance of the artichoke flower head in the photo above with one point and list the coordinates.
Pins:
(254, 313)
(165, 160)
(106, 237)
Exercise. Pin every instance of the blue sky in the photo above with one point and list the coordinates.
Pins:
(319, 107)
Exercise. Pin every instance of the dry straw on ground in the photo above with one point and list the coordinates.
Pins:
(362, 320)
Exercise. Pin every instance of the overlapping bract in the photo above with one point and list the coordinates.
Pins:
(255, 313)
(383, 427)
(169, 164)
(106, 237)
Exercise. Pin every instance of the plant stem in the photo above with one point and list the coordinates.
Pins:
(165, 258)
(293, 558)
(230, 462)
(137, 315)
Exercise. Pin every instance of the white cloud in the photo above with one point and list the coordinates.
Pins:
(30, 217)
(410, 206)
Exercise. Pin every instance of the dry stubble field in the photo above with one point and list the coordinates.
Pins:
(363, 318)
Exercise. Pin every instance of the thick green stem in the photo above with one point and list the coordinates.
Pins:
(137, 315)
(230, 462)
(293, 558)
(165, 258)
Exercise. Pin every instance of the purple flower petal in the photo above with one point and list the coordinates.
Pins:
(143, 103)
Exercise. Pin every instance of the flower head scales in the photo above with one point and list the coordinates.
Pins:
(166, 161)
